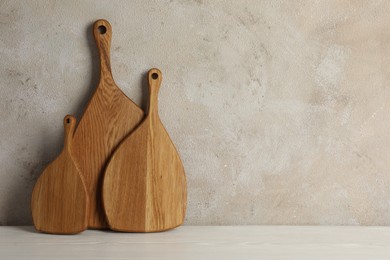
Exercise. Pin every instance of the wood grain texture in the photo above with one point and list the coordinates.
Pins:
(109, 117)
(144, 187)
(59, 201)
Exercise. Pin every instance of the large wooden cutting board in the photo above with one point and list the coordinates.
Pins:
(109, 117)
(144, 187)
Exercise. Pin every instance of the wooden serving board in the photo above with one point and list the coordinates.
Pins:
(144, 187)
(109, 117)
(59, 202)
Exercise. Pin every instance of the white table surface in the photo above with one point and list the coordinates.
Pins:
(202, 242)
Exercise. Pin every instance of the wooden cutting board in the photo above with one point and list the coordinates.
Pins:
(109, 117)
(144, 187)
(59, 201)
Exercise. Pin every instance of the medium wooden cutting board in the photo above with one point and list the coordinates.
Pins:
(109, 117)
(144, 187)
(59, 202)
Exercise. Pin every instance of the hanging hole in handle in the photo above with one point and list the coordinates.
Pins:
(68, 120)
(102, 29)
(154, 75)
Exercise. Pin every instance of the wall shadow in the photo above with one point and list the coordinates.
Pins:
(144, 92)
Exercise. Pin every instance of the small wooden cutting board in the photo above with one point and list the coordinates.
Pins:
(144, 187)
(109, 117)
(59, 200)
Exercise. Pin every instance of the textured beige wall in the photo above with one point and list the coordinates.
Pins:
(279, 108)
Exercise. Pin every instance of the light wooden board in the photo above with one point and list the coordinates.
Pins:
(144, 187)
(109, 117)
(207, 242)
(59, 200)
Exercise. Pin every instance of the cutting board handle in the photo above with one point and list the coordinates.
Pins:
(154, 78)
(69, 127)
(102, 32)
